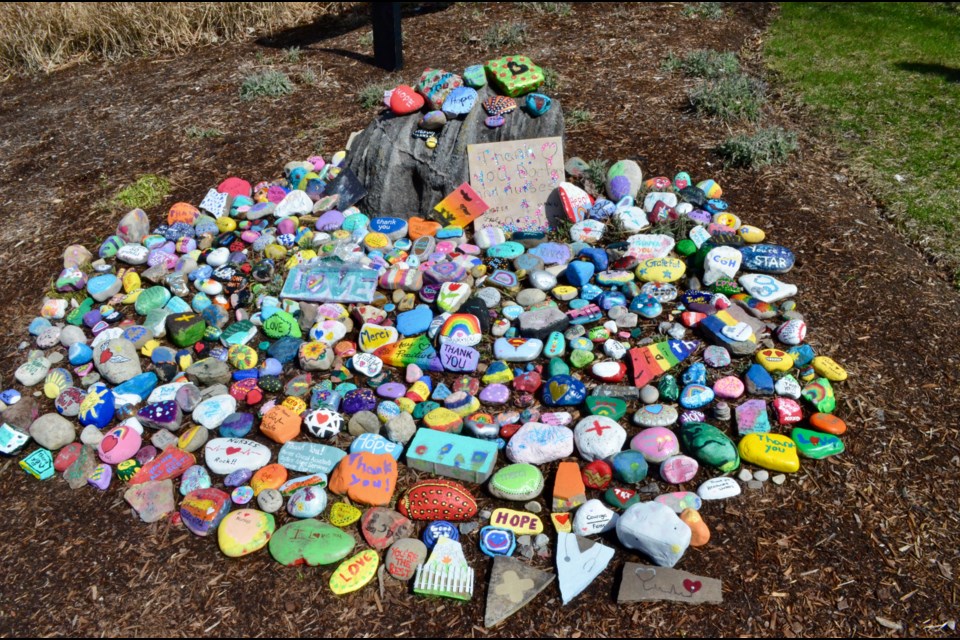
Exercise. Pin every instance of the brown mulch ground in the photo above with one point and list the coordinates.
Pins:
(865, 544)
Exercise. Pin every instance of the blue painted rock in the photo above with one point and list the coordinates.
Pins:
(695, 396)
(98, 407)
(203, 509)
(630, 466)
(767, 258)
(758, 381)
(563, 391)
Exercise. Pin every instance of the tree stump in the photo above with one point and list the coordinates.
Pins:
(405, 178)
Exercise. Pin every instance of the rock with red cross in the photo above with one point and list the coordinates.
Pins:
(598, 437)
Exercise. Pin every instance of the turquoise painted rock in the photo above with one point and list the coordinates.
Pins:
(816, 444)
(630, 467)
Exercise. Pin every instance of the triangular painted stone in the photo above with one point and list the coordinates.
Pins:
(579, 562)
(513, 585)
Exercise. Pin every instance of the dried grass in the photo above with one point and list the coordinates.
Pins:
(42, 37)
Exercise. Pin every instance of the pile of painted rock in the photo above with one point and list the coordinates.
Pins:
(265, 358)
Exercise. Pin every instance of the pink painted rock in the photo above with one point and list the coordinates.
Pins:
(788, 410)
(119, 443)
(679, 469)
(656, 444)
(729, 388)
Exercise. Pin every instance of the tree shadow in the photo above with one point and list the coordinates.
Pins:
(950, 74)
(334, 26)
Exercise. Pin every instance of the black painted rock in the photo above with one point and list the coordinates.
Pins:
(403, 177)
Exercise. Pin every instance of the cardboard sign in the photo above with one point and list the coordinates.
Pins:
(462, 206)
(517, 178)
(330, 282)
(642, 583)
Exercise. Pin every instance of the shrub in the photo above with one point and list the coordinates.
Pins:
(767, 146)
(268, 83)
(736, 97)
(704, 63)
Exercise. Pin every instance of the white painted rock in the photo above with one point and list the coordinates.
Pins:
(579, 562)
(655, 530)
(721, 262)
(593, 517)
(599, 437)
(766, 288)
(788, 386)
(652, 198)
(295, 203)
(719, 488)
(538, 443)
(117, 360)
(213, 411)
(223, 456)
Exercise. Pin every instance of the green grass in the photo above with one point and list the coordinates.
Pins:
(730, 98)
(704, 63)
(576, 117)
(597, 172)
(772, 145)
(551, 80)
(885, 80)
(292, 55)
(199, 133)
(148, 191)
(504, 35)
(559, 9)
(371, 95)
(268, 83)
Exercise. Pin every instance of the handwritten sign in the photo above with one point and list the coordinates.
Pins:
(462, 206)
(642, 583)
(330, 282)
(517, 178)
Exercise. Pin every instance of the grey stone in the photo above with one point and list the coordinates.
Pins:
(401, 428)
(52, 431)
(649, 394)
(533, 507)
(530, 297)
(403, 177)
(363, 422)
(209, 371)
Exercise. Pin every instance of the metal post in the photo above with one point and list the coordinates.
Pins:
(387, 36)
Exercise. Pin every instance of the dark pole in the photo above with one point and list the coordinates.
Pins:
(387, 36)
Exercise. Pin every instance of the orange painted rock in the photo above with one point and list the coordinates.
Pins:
(281, 424)
(364, 477)
(183, 212)
(418, 227)
(828, 423)
(568, 489)
(699, 531)
(438, 500)
(272, 476)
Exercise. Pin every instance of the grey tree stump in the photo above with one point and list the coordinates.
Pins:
(405, 178)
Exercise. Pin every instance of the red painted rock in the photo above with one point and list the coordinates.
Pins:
(171, 463)
(67, 456)
(367, 478)
(788, 410)
(404, 100)
(438, 500)
(597, 475)
(381, 527)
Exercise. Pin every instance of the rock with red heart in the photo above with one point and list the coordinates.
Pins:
(404, 100)
(223, 456)
(119, 443)
(117, 360)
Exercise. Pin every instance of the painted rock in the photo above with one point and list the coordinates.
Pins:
(537, 443)
(788, 411)
(655, 415)
(630, 466)
(520, 522)
(310, 542)
(827, 368)
(403, 558)
(752, 417)
(819, 394)
(366, 478)
(563, 391)
(710, 446)
(656, 531)
(828, 423)
(816, 444)
(775, 360)
(569, 491)
(151, 500)
(226, 455)
(245, 531)
(679, 500)
(766, 288)
(310, 457)
(771, 451)
(699, 531)
(343, 514)
(119, 444)
(439, 500)
(656, 444)
(593, 518)
(597, 475)
(719, 489)
(202, 510)
(521, 482)
(381, 527)
(517, 349)
(39, 464)
(307, 502)
(599, 438)
(766, 258)
(696, 396)
(354, 573)
(679, 469)
(98, 407)
(171, 463)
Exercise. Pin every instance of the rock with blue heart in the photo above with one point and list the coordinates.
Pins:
(579, 272)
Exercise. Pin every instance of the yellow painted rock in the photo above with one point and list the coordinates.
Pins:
(131, 297)
(661, 270)
(148, 347)
(343, 514)
(245, 531)
(225, 224)
(771, 451)
(751, 234)
(275, 252)
(443, 419)
(131, 281)
(727, 219)
(520, 522)
(406, 404)
(562, 522)
(829, 369)
(353, 573)
(775, 360)
(564, 292)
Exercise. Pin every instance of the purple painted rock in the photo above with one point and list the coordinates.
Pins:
(495, 394)
(101, 477)
(161, 415)
(203, 509)
(391, 390)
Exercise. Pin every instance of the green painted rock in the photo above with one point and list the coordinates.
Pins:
(613, 408)
(558, 367)
(819, 393)
(280, 325)
(310, 542)
(816, 444)
(709, 445)
(669, 391)
(621, 498)
(185, 329)
(519, 481)
(580, 358)
(150, 299)
(75, 317)
(686, 247)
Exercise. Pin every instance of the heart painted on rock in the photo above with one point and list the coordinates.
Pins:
(737, 332)
(692, 585)
(405, 100)
(233, 450)
(558, 390)
(646, 574)
(516, 68)
(418, 228)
